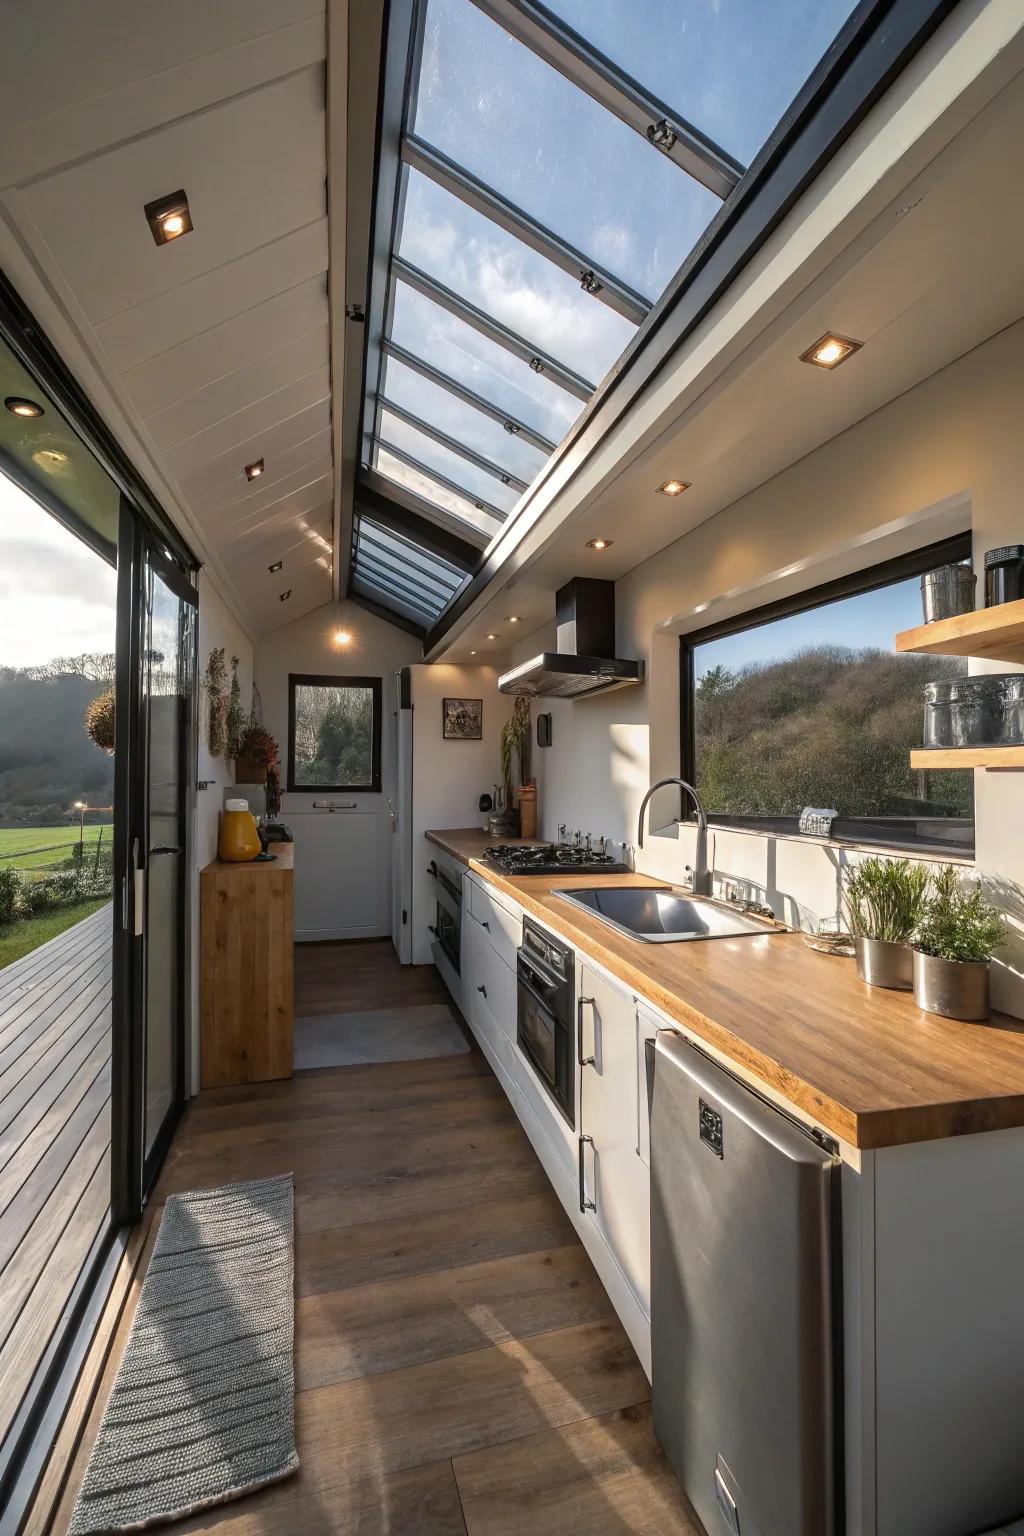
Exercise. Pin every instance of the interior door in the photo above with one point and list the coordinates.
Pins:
(157, 636)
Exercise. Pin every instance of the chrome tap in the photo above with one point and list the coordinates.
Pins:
(702, 875)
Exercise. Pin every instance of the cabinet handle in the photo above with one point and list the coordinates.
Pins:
(585, 1204)
(487, 926)
(483, 990)
(432, 929)
(583, 1061)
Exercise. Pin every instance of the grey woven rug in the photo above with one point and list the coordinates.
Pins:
(377, 1034)
(203, 1407)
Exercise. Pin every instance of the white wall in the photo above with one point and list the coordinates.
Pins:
(949, 452)
(448, 776)
(342, 861)
(217, 626)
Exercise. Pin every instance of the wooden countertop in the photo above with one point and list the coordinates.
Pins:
(284, 858)
(867, 1064)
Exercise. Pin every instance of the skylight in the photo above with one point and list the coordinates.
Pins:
(552, 182)
(393, 570)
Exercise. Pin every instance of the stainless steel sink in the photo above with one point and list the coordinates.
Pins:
(665, 916)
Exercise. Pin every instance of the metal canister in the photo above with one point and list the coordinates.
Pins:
(947, 591)
(1004, 574)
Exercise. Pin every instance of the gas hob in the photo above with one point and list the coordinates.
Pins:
(553, 859)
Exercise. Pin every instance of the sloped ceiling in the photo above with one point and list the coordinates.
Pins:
(217, 345)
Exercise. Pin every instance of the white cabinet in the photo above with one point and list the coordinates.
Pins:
(615, 1179)
(646, 1029)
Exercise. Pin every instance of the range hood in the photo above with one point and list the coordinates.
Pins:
(583, 663)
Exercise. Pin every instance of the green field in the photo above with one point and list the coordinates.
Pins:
(29, 932)
(42, 847)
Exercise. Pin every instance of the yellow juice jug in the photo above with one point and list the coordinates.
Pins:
(239, 840)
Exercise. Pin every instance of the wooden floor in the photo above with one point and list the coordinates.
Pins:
(54, 1138)
(459, 1367)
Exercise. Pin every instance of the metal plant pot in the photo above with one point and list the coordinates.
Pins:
(883, 964)
(956, 989)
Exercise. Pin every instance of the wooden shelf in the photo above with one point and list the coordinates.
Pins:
(967, 757)
(996, 634)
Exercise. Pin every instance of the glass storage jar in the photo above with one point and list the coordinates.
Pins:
(1013, 710)
(977, 711)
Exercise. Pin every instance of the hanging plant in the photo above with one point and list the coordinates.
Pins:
(235, 723)
(99, 721)
(214, 680)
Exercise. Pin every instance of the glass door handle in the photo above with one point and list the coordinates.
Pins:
(164, 848)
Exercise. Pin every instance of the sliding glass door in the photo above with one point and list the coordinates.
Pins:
(155, 706)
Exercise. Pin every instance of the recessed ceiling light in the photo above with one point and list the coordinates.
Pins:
(284, 596)
(168, 217)
(273, 569)
(513, 618)
(600, 543)
(342, 637)
(472, 653)
(492, 637)
(254, 470)
(829, 351)
(673, 487)
(20, 407)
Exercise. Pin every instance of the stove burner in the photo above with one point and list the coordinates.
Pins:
(552, 859)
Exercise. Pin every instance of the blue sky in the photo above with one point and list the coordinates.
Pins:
(872, 619)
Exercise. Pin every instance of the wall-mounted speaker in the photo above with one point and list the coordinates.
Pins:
(543, 730)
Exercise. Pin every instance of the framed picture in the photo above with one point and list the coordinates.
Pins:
(463, 719)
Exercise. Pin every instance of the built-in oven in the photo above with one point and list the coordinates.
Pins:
(545, 1014)
(447, 926)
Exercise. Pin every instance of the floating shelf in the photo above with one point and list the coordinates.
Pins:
(996, 634)
(967, 757)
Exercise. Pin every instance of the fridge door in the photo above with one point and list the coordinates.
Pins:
(743, 1231)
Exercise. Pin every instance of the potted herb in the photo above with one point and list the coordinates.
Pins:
(956, 936)
(884, 900)
(258, 752)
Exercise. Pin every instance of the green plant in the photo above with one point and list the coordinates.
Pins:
(258, 745)
(506, 746)
(958, 924)
(521, 720)
(11, 902)
(235, 722)
(214, 680)
(884, 898)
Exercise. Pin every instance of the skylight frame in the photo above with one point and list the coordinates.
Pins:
(413, 462)
(415, 593)
(499, 472)
(522, 429)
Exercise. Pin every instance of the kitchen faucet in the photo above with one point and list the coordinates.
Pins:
(702, 875)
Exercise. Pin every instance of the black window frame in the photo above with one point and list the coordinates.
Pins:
(851, 830)
(331, 680)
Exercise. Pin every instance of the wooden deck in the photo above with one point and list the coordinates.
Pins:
(54, 1138)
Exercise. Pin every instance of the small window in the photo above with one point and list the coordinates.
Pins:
(807, 703)
(334, 733)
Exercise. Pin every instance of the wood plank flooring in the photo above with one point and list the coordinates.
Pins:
(54, 1138)
(460, 1370)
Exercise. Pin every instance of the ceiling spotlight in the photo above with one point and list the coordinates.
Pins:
(253, 471)
(673, 487)
(19, 407)
(513, 618)
(492, 637)
(600, 543)
(342, 637)
(169, 217)
(472, 653)
(283, 597)
(829, 351)
(273, 569)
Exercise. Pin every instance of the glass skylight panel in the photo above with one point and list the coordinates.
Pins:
(420, 561)
(730, 69)
(480, 364)
(405, 387)
(507, 116)
(476, 482)
(402, 574)
(509, 281)
(430, 490)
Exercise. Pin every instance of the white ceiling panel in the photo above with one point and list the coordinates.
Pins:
(303, 533)
(310, 589)
(89, 50)
(307, 501)
(247, 514)
(294, 434)
(241, 427)
(219, 351)
(309, 461)
(246, 386)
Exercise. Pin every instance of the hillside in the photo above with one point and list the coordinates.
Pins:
(46, 759)
(828, 726)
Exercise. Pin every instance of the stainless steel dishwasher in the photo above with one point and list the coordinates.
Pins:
(745, 1306)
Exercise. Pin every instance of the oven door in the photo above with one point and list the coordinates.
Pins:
(448, 931)
(543, 1037)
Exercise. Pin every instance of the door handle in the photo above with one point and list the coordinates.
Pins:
(585, 1204)
(583, 1061)
(486, 925)
(483, 990)
(138, 893)
(164, 849)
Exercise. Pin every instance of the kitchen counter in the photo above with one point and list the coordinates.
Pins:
(866, 1064)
